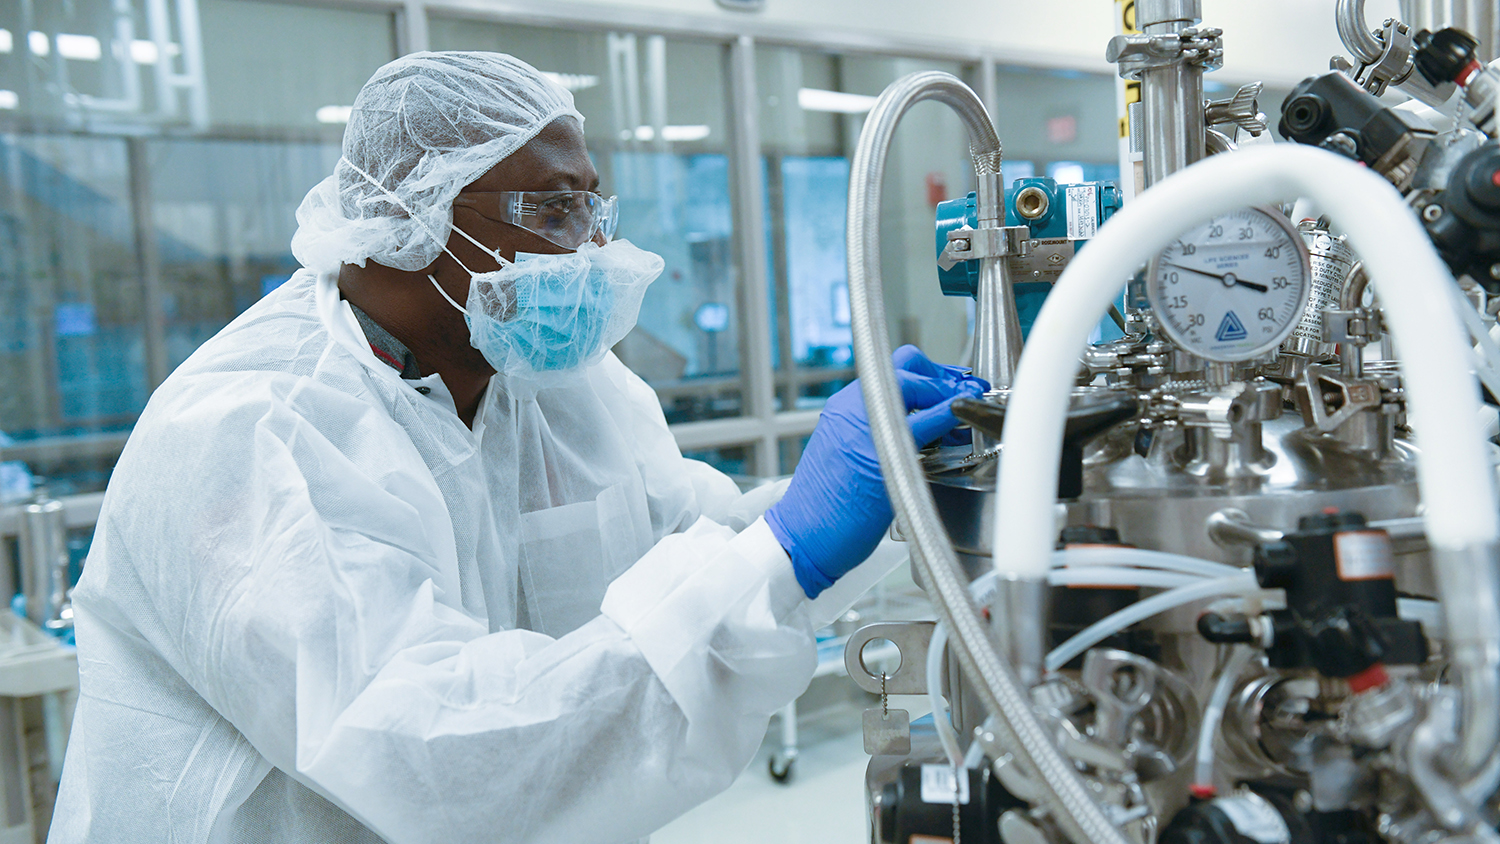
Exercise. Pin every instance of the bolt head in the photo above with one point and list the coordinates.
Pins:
(1432, 213)
(1495, 271)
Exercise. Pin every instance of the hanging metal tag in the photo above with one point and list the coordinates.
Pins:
(887, 732)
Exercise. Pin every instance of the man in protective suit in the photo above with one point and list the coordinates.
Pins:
(405, 554)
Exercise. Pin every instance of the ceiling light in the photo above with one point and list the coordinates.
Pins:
(83, 48)
(9, 99)
(38, 43)
(573, 81)
(668, 133)
(145, 52)
(684, 133)
(334, 114)
(7, 43)
(816, 99)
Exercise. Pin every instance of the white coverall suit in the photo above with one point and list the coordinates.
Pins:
(299, 618)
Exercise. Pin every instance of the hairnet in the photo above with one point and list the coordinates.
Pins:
(424, 126)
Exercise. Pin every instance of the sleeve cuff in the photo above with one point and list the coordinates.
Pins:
(710, 609)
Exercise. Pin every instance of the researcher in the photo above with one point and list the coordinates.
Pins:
(405, 554)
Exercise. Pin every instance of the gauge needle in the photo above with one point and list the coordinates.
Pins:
(1228, 278)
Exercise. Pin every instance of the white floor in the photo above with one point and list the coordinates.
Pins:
(824, 801)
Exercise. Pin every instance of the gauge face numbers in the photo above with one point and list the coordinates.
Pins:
(1232, 288)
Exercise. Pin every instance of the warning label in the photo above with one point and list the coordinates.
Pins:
(1364, 555)
(1083, 211)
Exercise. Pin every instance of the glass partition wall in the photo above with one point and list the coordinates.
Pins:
(153, 153)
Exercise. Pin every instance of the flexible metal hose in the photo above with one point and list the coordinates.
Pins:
(1072, 805)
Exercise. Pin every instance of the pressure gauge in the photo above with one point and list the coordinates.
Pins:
(1233, 288)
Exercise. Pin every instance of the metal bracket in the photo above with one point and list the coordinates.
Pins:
(910, 638)
(968, 244)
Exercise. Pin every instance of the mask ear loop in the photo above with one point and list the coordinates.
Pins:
(461, 308)
(493, 253)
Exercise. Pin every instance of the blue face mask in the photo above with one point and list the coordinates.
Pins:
(553, 313)
(548, 313)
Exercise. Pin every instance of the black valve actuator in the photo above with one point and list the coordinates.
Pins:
(1340, 582)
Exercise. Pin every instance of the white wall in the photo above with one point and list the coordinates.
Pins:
(1277, 41)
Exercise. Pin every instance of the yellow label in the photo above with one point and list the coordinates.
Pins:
(1132, 89)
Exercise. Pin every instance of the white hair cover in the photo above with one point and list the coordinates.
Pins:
(424, 126)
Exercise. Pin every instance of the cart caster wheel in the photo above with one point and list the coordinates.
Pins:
(780, 771)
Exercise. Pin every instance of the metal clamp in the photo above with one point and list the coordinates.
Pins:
(910, 638)
(1242, 109)
(968, 244)
(1357, 326)
(1239, 404)
(1121, 684)
(1333, 399)
(1138, 53)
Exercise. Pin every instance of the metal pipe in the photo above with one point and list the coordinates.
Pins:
(44, 562)
(1231, 527)
(1349, 18)
(1071, 802)
(1351, 296)
(1171, 96)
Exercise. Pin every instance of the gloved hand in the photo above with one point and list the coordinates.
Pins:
(835, 510)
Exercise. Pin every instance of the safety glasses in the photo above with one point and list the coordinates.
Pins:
(568, 218)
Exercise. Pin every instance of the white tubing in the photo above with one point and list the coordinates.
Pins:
(1119, 576)
(1144, 609)
(1130, 559)
(1142, 557)
(1213, 715)
(1457, 485)
(941, 720)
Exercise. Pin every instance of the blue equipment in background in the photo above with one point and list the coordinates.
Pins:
(1061, 218)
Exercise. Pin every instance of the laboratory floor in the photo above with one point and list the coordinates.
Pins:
(823, 803)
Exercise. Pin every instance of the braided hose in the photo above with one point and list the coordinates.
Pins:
(1071, 803)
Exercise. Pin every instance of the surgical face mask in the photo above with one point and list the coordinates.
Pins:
(551, 313)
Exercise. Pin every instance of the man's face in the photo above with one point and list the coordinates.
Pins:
(556, 159)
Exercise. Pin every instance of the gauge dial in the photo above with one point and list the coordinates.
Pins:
(1232, 288)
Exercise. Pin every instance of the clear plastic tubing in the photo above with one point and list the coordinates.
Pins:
(1142, 557)
(1213, 716)
(1141, 610)
(1121, 576)
(940, 717)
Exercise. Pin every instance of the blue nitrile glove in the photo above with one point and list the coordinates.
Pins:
(835, 510)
